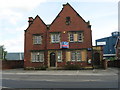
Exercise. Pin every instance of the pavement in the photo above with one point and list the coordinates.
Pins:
(108, 71)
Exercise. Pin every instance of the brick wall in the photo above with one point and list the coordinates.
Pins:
(12, 64)
(115, 63)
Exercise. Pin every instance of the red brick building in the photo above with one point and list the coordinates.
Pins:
(67, 39)
(118, 48)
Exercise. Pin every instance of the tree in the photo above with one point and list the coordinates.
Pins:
(3, 53)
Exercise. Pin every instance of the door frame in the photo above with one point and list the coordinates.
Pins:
(52, 59)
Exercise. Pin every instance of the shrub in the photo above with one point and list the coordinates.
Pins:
(72, 66)
(29, 68)
(41, 67)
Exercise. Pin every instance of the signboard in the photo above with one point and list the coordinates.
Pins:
(101, 43)
(64, 45)
(89, 49)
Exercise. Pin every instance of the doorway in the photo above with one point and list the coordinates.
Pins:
(96, 58)
(52, 59)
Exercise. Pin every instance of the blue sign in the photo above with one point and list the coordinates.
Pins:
(64, 45)
(89, 49)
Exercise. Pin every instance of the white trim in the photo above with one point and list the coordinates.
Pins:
(109, 54)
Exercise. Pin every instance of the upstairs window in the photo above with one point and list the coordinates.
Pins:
(68, 21)
(37, 39)
(76, 37)
(55, 37)
(71, 36)
(80, 37)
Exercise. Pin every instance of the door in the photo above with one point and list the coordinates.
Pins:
(52, 59)
(96, 59)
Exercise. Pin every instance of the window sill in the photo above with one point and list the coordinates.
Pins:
(59, 61)
(54, 42)
(36, 44)
(37, 62)
(75, 42)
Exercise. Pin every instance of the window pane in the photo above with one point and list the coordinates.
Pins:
(80, 37)
(59, 56)
(41, 57)
(78, 56)
(73, 56)
(71, 37)
(33, 57)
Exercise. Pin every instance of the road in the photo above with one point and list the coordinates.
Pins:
(73, 79)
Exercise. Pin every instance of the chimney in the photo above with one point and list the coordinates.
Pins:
(89, 26)
(88, 22)
(30, 20)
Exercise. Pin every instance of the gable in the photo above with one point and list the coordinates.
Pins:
(76, 20)
(37, 25)
(117, 42)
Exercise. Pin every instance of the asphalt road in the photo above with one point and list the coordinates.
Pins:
(59, 81)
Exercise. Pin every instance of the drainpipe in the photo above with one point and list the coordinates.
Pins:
(20, 56)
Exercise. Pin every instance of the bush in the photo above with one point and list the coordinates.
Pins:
(29, 68)
(72, 66)
(42, 67)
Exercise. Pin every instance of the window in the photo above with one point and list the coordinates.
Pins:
(71, 37)
(75, 56)
(55, 38)
(37, 56)
(68, 21)
(76, 37)
(59, 56)
(80, 37)
(37, 39)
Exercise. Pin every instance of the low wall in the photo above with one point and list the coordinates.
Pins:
(115, 63)
(12, 64)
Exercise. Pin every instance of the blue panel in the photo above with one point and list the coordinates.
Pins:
(110, 43)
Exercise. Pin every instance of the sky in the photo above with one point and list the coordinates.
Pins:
(102, 14)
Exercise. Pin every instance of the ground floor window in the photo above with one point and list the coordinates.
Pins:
(75, 56)
(37, 56)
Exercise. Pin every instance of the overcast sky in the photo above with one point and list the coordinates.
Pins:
(102, 14)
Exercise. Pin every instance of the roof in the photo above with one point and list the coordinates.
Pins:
(113, 35)
(15, 56)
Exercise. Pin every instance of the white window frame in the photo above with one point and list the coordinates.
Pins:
(76, 56)
(79, 36)
(55, 37)
(71, 37)
(37, 56)
(37, 39)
